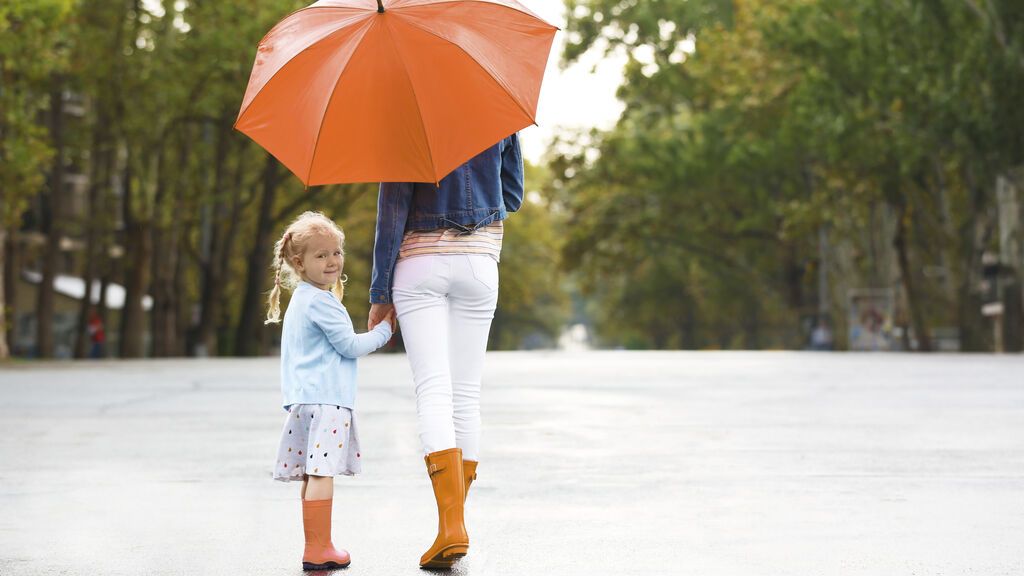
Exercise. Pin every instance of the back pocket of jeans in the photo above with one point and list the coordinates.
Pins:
(412, 273)
(485, 270)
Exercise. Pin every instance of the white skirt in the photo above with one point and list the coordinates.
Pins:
(318, 440)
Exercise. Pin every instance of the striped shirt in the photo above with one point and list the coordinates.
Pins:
(486, 240)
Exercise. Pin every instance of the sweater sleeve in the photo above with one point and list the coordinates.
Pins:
(330, 316)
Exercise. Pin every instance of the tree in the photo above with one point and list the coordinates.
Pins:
(533, 304)
(753, 128)
(32, 55)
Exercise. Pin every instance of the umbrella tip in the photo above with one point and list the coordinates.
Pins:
(380, 7)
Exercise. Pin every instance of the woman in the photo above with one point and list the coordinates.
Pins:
(435, 263)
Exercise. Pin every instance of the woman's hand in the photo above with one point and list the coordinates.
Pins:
(381, 312)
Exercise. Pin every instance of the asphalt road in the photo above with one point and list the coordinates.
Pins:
(594, 463)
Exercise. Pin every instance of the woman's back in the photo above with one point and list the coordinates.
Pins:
(477, 194)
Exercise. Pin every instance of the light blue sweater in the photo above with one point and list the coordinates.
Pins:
(319, 348)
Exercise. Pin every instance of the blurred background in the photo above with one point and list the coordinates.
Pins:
(707, 174)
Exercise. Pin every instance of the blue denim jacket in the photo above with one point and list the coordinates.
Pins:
(481, 191)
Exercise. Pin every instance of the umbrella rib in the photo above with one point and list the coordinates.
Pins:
(415, 98)
(295, 12)
(316, 143)
(297, 54)
(497, 81)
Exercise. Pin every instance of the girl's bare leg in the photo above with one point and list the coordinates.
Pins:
(305, 482)
(318, 488)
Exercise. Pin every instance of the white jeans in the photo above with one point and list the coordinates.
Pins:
(445, 304)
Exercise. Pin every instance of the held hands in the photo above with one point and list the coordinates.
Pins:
(382, 313)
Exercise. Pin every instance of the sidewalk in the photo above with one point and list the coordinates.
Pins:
(594, 463)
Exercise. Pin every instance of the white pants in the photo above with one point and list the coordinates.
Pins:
(445, 304)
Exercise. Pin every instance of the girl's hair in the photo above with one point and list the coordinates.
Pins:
(293, 244)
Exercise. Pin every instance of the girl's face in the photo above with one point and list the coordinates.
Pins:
(322, 262)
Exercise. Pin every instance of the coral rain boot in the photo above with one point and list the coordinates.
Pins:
(468, 473)
(446, 476)
(320, 553)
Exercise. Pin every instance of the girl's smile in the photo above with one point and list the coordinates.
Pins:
(322, 262)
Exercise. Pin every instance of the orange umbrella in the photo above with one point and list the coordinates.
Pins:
(394, 91)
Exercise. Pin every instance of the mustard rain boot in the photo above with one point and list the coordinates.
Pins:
(446, 476)
(468, 473)
(320, 553)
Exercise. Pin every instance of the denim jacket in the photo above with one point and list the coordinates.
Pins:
(481, 191)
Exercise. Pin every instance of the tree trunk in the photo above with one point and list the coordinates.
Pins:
(161, 314)
(133, 313)
(752, 325)
(688, 328)
(165, 233)
(11, 268)
(137, 243)
(109, 106)
(215, 251)
(101, 310)
(975, 234)
(947, 254)
(238, 205)
(248, 337)
(5, 351)
(917, 319)
(181, 304)
(1011, 255)
(53, 222)
(97, 180)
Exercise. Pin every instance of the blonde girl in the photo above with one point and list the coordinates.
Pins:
(319, 348)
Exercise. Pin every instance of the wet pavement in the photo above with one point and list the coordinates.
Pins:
(594, 463)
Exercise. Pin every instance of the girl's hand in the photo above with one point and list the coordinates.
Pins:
(378, 314)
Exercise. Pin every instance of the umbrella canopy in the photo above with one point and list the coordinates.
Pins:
(394, 90)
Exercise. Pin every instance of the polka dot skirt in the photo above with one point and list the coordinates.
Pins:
(318, 440)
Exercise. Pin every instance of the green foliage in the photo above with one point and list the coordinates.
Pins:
(754, 131)
(175, 189)
(533, 304)
(32, 50)
(872, 122)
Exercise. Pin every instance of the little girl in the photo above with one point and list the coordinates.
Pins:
(318, 376)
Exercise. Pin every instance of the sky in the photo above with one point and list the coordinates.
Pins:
(572, 98)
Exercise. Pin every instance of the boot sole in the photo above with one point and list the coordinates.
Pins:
(446, 557)
(324, 566)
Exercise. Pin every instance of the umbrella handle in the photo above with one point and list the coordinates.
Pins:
(380, 7)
